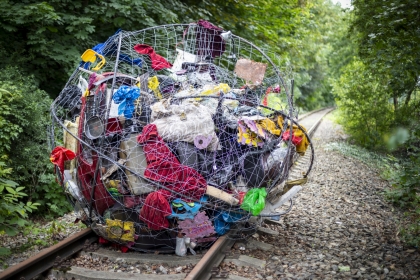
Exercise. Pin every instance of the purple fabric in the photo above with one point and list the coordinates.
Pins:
(209, 41)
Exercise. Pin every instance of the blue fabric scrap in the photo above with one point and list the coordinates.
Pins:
(224, 219)
(125, 96)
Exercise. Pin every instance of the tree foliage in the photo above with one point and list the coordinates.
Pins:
(360, 103)
(24, 119)
(48, 37)
(389, 42)
(378, 93)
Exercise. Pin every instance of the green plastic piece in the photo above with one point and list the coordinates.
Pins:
(254, 201)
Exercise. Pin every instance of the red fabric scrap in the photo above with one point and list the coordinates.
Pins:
(59, 155)
(241, 196)
(265, 101)
(102, 240)
(155, 210)
(123, 249)
(132, 201)
(164, 167)
(295, 139)
(158, 62)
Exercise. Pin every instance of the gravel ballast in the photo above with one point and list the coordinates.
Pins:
(339, 228)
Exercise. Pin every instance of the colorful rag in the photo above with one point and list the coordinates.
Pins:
(109, 48)
(280, 122)
(158, 62)
(59, 155)
(269, 126)
(248, 137)
(164, 167)
(303, 145)
(125, 96)
(153, 84)
(215, 90)
(295, 139)
(155, 210)
(269, 90)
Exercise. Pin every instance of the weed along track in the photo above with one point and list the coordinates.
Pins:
(82, 257)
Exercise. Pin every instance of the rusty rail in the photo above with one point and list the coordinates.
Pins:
(44, 260)
(215, 255)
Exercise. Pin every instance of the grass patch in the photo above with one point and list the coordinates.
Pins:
(36, 235)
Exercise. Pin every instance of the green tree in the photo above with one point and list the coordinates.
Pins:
(378, 94)
(389, 43)
(46, 38)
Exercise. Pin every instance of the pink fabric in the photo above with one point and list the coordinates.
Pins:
(158, 62)
(132, 201)
(164, 167)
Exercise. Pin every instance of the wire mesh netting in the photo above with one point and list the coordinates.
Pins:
(174, 134)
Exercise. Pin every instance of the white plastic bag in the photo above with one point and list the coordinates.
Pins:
(181, 247)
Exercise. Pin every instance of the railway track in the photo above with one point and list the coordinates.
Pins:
(205, 264)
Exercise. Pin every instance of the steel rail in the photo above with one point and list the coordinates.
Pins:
(213, 257)
(216, 254)
(304, 116)
(311, 131)
(44, 260)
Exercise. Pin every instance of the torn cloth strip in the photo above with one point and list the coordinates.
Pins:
(59, 155)
(158, 62)
(164, 167)
(155, 210)
(295, 139)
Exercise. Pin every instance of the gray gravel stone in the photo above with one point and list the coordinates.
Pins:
(339, 219)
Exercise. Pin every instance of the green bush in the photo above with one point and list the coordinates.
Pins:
(24, 119)
(364, 110)
(13, 211)
(405, 191)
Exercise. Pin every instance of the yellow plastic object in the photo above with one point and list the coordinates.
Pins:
(153, 84)
(90, 56)
(86, 93)
(216, 89)
(119, 230)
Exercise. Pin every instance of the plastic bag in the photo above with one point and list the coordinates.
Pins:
(181, 247)
(254, 201)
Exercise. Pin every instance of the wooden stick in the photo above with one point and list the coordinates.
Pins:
(222, 195)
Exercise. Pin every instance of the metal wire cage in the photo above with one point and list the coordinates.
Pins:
(178, 132)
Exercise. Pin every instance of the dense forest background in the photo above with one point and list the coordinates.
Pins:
(365, 60)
